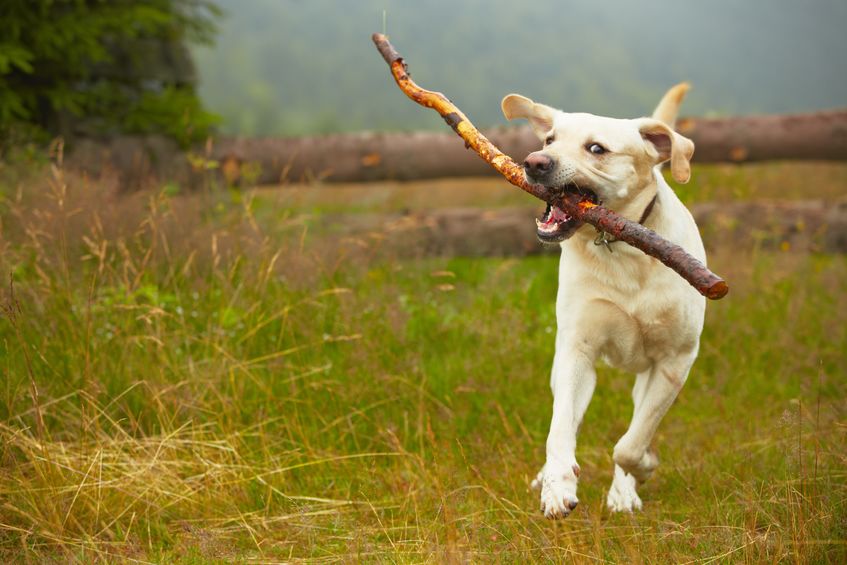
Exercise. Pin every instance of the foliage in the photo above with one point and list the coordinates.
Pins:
(200, 379)
(95, 66)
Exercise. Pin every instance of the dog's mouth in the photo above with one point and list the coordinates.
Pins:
(556, 225)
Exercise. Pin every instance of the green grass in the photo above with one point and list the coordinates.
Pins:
(206, 379)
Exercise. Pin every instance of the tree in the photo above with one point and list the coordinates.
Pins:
(95, 67)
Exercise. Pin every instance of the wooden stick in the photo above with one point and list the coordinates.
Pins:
(688, 267)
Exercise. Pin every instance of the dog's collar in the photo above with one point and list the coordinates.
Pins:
(604, 238)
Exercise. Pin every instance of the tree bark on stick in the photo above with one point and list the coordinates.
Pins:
(633, 233)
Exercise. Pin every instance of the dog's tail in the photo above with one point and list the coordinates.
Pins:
(668, 107)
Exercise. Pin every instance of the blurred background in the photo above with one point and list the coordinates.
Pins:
(288, 68)
(257, 306)
(291, 67)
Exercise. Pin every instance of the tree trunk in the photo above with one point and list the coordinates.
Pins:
(806, 226)
(813, 136)
(373, 156)
(362, 157)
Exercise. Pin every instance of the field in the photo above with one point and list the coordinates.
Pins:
(231, 376)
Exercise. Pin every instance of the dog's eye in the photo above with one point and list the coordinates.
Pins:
(549, 140)
(596, 148)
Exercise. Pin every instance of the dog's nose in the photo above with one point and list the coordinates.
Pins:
(537, 165)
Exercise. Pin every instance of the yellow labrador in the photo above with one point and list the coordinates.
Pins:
(614, 302)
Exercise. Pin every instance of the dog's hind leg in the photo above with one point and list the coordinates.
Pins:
(653, 394)
(623, 496)
(573, 379)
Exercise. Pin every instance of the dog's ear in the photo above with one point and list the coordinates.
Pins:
(668, 144)
(540, 116)
(668, 107)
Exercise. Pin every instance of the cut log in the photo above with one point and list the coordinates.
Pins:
(374, 156)
(804, 226)
(362, 157)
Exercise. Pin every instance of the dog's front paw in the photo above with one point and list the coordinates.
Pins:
(622, 494)
(558, 492)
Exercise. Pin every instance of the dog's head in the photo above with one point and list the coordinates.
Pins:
(609, 160)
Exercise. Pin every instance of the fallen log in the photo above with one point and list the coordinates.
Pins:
(372, 156)
(807, 226)
(820, 136)
(633, 233)
(376, 156)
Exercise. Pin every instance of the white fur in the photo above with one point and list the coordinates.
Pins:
(624, 307)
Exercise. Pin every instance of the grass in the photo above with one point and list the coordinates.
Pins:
(210, 378)
(720, 182)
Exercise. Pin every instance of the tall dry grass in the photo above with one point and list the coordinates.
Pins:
(213, 378)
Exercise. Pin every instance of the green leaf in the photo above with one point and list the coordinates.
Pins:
(102, 67)
(15, 56)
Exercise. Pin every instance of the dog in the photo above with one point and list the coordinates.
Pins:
(614, 303)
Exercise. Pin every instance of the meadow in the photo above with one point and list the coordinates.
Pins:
(232, 376)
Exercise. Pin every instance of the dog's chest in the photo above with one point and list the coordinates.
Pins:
(661, 314)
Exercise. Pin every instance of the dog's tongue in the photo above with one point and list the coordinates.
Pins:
(558, 215)
(554, 215)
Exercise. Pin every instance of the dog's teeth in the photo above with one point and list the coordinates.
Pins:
(537, 222)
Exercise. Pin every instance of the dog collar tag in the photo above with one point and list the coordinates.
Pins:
(603, 239)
